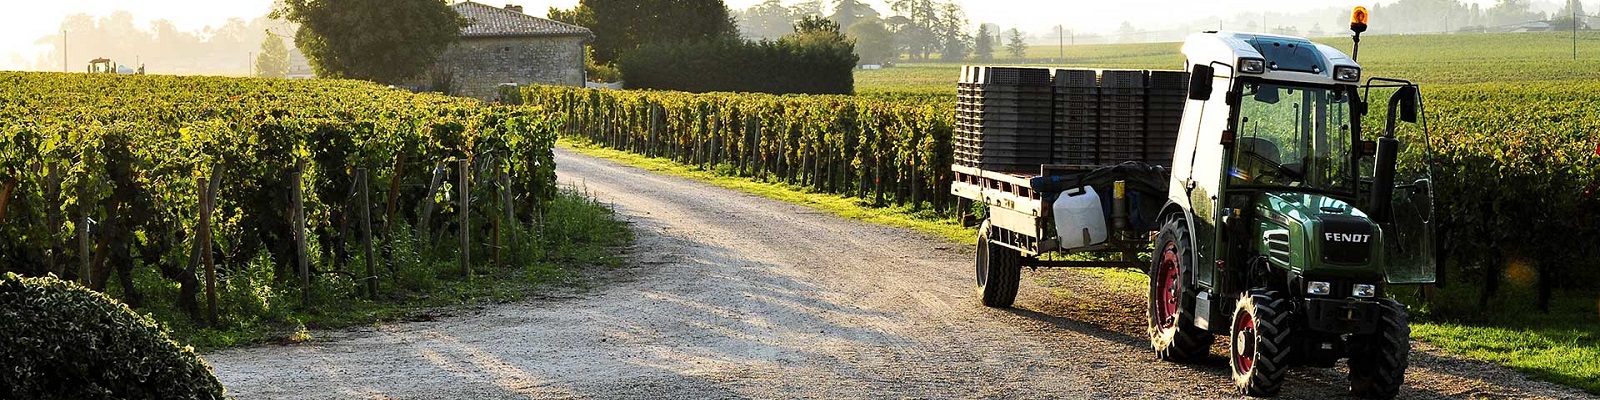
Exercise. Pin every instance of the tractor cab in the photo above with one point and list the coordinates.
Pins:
(1273, 134)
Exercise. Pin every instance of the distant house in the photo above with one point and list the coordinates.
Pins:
(1535, 26)
(504, 45)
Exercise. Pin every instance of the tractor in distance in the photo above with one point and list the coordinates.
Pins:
(1282, 223)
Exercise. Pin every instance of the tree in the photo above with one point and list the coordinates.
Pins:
(273, 62)
(874, 42)
(385, 41)
(1018, 46)
(984, 49)
(621, 26)
(848, 12)
(953, 22)
(1571, 13)
(768, 20)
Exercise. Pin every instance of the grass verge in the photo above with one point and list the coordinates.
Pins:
(922, 220)
(1562, 346)
(257, 307)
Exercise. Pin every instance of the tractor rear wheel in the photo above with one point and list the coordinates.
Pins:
(1260, 347)
(999, 271)
(1172, 332)
(1378, 362)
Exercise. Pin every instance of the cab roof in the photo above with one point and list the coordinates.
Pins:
(1288, 58)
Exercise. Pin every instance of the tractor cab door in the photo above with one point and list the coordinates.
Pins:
(1404, 212)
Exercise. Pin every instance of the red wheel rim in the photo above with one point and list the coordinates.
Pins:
(1167, 288)
(1244, 349)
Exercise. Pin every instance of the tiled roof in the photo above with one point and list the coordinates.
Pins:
(490, 21)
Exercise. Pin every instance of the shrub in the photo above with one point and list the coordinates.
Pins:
(66, 341)
(813, 62)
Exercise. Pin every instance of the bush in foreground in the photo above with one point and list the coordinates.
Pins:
(65, 341)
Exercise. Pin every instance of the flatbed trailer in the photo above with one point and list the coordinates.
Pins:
(1022, 219)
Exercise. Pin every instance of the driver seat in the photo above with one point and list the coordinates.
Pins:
(1260, 147)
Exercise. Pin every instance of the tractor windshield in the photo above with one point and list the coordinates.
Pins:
(1294, 136)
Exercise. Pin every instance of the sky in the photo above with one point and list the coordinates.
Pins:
(27, 21)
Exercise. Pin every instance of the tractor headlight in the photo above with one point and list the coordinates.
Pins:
(1319, 288)
(1347, 74)
(1252, 65)
(1364, 290)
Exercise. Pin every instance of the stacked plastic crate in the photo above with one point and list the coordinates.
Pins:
(1122, 116)
(1168, 92)
(1003, 119)
(1077, 117)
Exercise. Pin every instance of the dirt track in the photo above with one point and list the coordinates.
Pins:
(735, 296)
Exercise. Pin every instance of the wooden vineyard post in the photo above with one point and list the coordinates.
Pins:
(366, 232)
(427, 202)
(206, 261)
(299, 211)
(507, 208)
(465, 206)
(389, 208)
(84, 255)
(53, 184)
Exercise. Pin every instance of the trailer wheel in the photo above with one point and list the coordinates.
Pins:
(1260, 347)
(999, 271)
(1172, 332)
(1378, 362)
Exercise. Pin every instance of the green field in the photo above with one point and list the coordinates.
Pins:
(1515, 124)
(1425, 59)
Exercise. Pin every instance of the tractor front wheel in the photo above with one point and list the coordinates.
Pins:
(1378, 362)
(1260, 347)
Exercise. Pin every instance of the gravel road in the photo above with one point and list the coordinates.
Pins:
(736, 296)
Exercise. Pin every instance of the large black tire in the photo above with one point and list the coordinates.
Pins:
(1172, 332)
(1378, 362)
(999, 271)
(1261, 343)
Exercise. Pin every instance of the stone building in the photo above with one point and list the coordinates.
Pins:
(504, 45)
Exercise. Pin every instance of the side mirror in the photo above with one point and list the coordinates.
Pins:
(1200, 82)
(1407, 97)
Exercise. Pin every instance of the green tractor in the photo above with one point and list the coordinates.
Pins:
(1286, 218)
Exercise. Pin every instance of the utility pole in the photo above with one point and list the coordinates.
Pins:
(1572, 7)
(1061, 44)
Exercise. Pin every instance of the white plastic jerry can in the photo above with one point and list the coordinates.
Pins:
(1080, 222)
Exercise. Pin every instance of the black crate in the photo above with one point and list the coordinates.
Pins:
(1121, 141)
(1178, 95)
(1077, 97)
(1122, 91)
(1077, 110)
(981, 140)
(1122, 79)
(1164, 106)
(1159, 114)
(1078, 78)
(1134, 113)
(1077, 128)
(1121, 105)
(1169, 80)
(1076, 157)
(1115, 157)
(1005, 110)
(1077, 90)
(1002, 102)
(983, 89)
(1123, 98)
(1021, 126)
(1007, 76)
